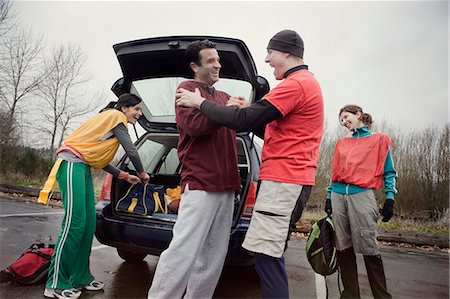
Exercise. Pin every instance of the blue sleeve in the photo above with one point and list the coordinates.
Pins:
(390, 174)
(329, 191)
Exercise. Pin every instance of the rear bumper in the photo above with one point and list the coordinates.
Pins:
(131, 235)
(153, 237)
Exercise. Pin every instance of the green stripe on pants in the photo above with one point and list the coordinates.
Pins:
(69, 267)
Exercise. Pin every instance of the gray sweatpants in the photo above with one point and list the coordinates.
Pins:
(194, 259)
(355, 220)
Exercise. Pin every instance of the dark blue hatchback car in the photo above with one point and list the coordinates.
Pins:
(152, 68)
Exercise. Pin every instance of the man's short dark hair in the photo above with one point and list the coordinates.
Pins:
(192, 53)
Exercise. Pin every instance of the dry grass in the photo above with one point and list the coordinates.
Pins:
(418, 225)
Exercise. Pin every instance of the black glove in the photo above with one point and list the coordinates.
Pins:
(327, 208)
(388, 210)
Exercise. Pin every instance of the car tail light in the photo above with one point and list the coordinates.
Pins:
(106, 189)
(250, 200)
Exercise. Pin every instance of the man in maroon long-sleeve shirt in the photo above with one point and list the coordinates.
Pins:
(209, 177)
(206, 150)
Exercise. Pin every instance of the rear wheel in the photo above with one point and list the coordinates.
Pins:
(131, 256)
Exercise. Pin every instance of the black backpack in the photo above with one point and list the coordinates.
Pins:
(320, 247)
(31, 267)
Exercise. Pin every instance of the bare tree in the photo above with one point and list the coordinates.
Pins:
(7, 20)
(20, 68)
(76, 112)
(63, 92)
(20, 74)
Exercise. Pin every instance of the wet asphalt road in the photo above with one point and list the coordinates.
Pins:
(410, 273)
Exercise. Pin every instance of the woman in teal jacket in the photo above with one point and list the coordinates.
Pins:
(361, 163)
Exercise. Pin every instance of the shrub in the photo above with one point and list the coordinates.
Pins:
(25, 163)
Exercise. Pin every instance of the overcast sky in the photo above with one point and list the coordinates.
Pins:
(391, 58)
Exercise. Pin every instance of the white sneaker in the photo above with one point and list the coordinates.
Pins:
(62, 294)
(95, 285)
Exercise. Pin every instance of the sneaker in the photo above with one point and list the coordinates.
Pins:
(95, 285)
(62, 294)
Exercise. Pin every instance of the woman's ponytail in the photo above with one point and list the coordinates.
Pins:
(366, 118)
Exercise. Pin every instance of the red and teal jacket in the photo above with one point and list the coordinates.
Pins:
(388, 175)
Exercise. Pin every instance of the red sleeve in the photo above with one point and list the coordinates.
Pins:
(191, 120)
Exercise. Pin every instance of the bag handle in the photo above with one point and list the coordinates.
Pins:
(158, 203)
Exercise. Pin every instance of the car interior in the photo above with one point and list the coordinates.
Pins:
(158, 153)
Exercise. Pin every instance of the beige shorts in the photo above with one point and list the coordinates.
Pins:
(269, 226)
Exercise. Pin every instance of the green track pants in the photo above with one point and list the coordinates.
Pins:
(69, 267)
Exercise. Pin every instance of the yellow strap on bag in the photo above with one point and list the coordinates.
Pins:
(134, 202)
(50, 184)
(158, 203)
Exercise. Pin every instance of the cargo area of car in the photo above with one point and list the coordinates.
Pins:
(158, 154)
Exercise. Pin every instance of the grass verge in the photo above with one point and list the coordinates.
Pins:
(440, 226)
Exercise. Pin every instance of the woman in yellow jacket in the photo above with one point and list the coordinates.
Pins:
(93, 144)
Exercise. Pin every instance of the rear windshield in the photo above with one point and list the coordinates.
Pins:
(158, 94)
(158, 153)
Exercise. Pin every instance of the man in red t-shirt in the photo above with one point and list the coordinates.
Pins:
(290, 119)
(209, 177)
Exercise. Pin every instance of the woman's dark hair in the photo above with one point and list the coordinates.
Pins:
(127, 100)
(192, 53)
(366, 118)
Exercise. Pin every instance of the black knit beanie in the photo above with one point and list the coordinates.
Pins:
(287, 41)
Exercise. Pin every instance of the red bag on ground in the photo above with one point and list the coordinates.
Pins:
(31, 267)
